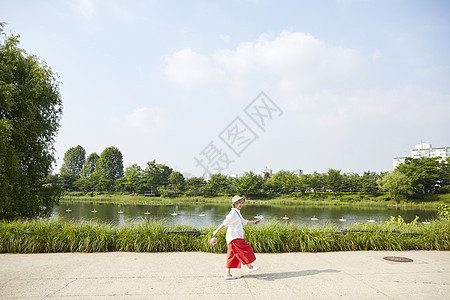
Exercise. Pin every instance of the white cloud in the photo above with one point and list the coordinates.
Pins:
(191, 69)
(225, 38)
(293, 59)
(376, 54)
(86, 8)
(142, 120)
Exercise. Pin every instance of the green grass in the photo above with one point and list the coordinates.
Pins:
(56, 235)
(141, 200)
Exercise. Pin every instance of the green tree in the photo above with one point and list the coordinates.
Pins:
(132, 179)
(351, 183)
(368, 182)
(89, 165)
(317, 182)
(217, 184)
(194, 186)
(334, 180)
(30, 112)
(249, 184)
(424, 173)
(73, 162)
(396, 184)
(304, 183)
(110, 165)
(83, 185)
(445, 176)
(284, 182)
(155, 176)
(177, 181)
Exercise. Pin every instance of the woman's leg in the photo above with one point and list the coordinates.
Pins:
(232, 262)
(244, 252)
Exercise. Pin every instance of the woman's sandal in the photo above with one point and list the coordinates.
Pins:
(253, 269)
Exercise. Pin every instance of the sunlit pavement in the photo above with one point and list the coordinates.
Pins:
(194, 275)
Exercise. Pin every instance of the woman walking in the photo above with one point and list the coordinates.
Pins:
(239, 251)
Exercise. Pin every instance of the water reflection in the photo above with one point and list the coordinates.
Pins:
(204, 215)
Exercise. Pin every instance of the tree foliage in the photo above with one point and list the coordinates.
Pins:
(30, 112)
(425, 173)
(429, 175)
(177, 181)
(73, 162)
(283, 182)
(133, 177)
(109, 166)
(155, 175)
(249, 184)
(194, 186)
(89, 165)
(396, 184)
(217, 184)
(334, 180)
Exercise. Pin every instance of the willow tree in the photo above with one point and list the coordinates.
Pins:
(396, 184)
(30, 112)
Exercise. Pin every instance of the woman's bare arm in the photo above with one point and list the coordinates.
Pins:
(218, 229)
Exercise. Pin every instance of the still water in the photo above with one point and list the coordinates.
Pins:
(204, 215)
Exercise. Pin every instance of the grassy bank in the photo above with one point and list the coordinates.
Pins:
(43, 236)
(429, 201)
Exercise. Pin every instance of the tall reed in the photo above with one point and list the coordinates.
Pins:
(56, 235)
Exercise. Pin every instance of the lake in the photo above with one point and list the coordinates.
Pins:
(205, 215)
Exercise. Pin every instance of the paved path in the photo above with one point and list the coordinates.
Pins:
(194, 275)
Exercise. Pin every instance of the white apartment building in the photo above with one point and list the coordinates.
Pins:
(423, 150)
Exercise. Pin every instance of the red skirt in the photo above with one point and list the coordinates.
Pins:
(239, 251)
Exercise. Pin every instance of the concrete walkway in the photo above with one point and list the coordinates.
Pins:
(193, 275)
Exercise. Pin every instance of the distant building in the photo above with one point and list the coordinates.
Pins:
(298, 172)
(350, 172)
(206, 176)
(423, 150)
(262, 173)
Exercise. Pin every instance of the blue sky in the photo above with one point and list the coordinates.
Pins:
(357, 82)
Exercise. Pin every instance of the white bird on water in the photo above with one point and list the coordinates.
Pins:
(314, 218)
(285, 217)
(342, 219)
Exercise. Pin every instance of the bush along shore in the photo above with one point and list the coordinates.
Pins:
(56, 235)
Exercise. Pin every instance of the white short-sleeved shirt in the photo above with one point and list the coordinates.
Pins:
(235, 223)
